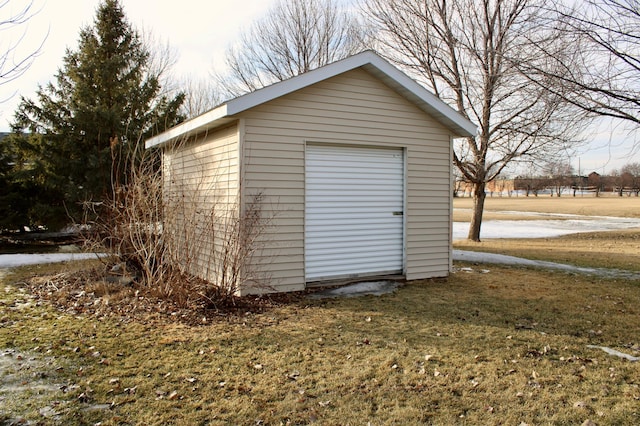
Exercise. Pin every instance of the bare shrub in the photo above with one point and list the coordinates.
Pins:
(184, 236)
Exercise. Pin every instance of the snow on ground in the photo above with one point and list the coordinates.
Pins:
(13, 260)
(566, 224)
(501, 259)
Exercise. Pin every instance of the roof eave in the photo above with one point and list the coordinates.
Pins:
(190, 127)
(393, 77)
(424, 99)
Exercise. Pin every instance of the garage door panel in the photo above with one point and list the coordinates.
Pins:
(324, 244)
(353, 211)
(356, 228)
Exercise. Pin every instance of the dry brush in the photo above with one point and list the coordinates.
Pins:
(185, 236)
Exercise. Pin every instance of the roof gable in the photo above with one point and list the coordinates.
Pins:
(367, 60)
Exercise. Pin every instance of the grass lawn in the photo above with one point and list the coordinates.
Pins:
(590, 206)
(615, 249)
(489, 345)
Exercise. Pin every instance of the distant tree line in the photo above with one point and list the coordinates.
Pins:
(564, 181)
(625, 181)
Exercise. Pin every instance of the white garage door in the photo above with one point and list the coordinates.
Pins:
(354, 200)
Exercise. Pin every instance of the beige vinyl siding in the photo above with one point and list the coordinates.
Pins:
(354, 108)
(201, 195)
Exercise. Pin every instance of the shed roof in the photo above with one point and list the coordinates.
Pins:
(368, 60)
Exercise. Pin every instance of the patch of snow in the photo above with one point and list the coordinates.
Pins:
(570, 224)
(13, 260)
(376, 288)
(501, 259)
(616, 353)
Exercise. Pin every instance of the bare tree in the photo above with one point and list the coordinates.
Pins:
(468, 52)
(201, 96)
(631, 177)
(295, 36)
(559, 172)
(12, 63)
(605, 35)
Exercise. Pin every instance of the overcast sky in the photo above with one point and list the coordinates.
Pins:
(200, 31)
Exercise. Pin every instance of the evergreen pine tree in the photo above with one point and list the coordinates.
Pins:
(103, 103)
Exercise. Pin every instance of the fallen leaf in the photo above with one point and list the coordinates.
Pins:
(294, 375)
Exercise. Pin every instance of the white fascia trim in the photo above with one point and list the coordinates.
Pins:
(196, 124)
(426, 96)
(301, 81)
(452, 118)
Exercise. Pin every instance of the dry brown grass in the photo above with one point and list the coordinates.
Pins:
(590, 206)
(490, 345)
(613, 249)
(499, 347)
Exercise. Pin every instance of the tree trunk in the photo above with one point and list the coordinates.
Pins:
(478, 207)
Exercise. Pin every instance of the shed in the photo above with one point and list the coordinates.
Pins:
(350, 164)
